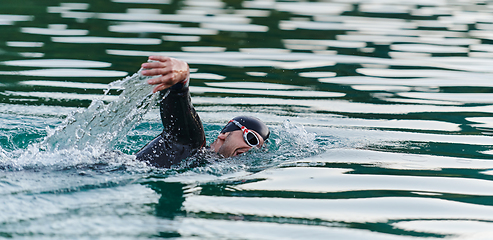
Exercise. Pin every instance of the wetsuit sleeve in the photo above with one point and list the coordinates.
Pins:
(180, 120)
(183, 132)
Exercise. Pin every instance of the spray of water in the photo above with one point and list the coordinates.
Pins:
(101, 124)
(287, 142)
(87, 136)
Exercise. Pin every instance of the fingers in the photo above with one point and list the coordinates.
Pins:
(156, 71)
(162, 61)
(149, 65)
(159, 58)
(165, 80)
(170, 70)
(161, 67)
(161, 87)
(154, 81)
(154, 65)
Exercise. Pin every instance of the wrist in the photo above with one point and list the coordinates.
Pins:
(186, 81)
(182, 84)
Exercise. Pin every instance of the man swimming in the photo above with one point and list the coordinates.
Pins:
(183, 134)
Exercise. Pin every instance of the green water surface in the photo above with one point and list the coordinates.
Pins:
(381, 116)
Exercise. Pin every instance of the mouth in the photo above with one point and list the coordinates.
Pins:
(238, 152)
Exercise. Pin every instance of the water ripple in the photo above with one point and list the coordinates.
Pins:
(55, 29)
(132, 41)
(380, 114)
(67, 72)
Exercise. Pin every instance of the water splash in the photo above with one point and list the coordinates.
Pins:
(103, 124)
(288, 142)
(293, 141)
(93, 159)
(87, 137)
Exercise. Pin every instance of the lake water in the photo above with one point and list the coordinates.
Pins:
(381, 115)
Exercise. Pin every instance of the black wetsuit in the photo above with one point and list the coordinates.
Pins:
(183, 133)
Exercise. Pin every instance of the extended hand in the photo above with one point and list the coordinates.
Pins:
(172, 71)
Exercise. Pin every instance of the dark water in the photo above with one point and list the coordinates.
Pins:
(381, 113)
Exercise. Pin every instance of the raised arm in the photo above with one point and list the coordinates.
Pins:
(183, 132)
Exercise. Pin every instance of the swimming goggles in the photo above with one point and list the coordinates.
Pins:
(248, 135)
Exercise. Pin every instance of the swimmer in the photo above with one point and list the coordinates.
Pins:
(183, 135)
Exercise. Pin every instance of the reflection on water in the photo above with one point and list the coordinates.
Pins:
(54, 29)
(109, 40)
(67, 72)
(68, 63)
(388, 105)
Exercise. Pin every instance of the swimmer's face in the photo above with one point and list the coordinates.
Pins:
(231, 144)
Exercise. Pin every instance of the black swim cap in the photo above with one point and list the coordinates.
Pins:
(251, 123)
